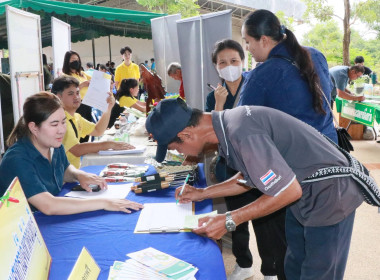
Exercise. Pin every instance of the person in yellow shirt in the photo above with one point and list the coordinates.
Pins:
(72, 66)
(127, 69)
(67, 89)
(127, 93)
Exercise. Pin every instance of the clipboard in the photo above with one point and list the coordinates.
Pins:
(160, 218)
(27, 256)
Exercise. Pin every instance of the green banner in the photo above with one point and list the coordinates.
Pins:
(358, 112)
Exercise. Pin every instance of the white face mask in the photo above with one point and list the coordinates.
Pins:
(230, 73)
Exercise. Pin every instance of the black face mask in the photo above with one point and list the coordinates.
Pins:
(74, 65)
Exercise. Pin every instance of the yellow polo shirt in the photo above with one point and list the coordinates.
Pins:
(81, 79)
(84, 128)
(127, 101)
(127, 72)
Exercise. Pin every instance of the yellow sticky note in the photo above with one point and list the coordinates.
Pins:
(85, 267)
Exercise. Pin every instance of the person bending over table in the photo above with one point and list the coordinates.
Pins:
(36, 156)
(66, 88)
(127, 93)
(275, 153)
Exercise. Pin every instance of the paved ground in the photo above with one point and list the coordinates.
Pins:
(364, 261)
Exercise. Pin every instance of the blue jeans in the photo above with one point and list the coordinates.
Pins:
(317, 252)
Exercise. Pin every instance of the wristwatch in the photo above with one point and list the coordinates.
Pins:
(230, 224)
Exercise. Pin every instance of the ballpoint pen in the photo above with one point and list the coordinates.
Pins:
(183, 187)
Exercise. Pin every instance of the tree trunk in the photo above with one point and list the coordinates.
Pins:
(346, 33)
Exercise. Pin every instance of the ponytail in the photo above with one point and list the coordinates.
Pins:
(306, 66)
(19, 131)
(264, 22)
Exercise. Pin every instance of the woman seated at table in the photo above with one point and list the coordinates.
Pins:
(127, 93)
(37, 157)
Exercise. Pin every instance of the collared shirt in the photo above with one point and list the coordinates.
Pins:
(271, 149)
(278, 84)
(84, 128)
(82, 78)
(35, 172)
(340, 79)
(127, 101)
(123, 71)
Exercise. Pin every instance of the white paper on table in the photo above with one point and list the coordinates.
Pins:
(163, 217)
(113, 191)
(97, 92)
(136, 150)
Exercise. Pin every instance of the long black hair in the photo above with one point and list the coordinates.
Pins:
(125, 86)
(264, 22)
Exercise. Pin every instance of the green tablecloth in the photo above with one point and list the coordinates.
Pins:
(362, 112)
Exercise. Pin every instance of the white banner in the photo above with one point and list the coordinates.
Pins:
(61, 43)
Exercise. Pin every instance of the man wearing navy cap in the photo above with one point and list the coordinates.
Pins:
(283, 158)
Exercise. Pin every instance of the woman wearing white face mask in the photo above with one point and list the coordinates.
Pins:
(228, 57)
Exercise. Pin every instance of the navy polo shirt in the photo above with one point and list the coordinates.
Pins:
(35, 172)
(278, 84)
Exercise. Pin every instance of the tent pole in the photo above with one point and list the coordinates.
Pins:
(93, 51)
(109, 47)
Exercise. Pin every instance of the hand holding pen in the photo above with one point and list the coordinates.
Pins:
(188, 194)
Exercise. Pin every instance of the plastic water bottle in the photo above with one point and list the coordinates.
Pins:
(118, 136)
(142, 97)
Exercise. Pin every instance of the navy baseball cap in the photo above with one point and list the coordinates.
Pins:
(166, 120)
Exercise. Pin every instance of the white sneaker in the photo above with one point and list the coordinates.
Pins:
(240, 273)
(270, 277)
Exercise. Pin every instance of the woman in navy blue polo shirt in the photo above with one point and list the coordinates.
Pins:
(37, 157)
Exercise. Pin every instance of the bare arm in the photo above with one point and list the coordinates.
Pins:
(102, 124)
(227, 188)
(214, 227)
(94, 147)
(51, 205)
(141, 106)
(346, 94)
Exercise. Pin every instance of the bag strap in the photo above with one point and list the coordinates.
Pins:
(75, 129)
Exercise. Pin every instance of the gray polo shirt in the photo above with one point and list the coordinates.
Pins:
(271, 149)
(339, 77)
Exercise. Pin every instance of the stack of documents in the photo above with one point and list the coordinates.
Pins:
(137, 150)
(168, 217)
(152, 264)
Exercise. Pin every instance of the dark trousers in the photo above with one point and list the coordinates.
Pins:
(270, 237)
(317, 252)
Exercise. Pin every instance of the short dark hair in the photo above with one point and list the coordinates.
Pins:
(357, 68)
(63, 82)
(89, 64)
(359, 59)
(226, 44)
(152, 59)
(123, 50)
(102, 66)
(196, 115)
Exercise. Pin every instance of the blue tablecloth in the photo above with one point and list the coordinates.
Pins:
(109, 236)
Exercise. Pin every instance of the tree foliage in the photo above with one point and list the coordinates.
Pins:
(187, 8)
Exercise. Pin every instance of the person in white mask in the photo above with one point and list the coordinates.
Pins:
(228, 57)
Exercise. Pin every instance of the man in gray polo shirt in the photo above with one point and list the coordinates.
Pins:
(274, 153)
(340, 76)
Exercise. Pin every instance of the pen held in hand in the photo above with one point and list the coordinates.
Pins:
(183, 187)
(211, 86)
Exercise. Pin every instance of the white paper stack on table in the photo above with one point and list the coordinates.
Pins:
(168, 217)
(137, 150)
(151, 264)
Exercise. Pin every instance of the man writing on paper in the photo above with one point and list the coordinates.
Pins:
(66, 88)
(276, 154)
